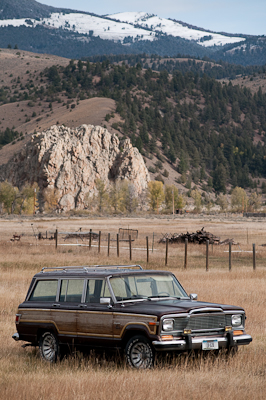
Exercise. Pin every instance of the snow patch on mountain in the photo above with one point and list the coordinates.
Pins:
(170, 27)
(86, 24)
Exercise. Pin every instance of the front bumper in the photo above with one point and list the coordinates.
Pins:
(195, 343)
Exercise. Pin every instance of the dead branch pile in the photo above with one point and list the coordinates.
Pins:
(80, 235)
(199, 237)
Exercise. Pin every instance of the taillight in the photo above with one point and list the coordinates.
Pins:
(18, 318)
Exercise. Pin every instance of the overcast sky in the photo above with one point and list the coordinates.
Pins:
(232, 16)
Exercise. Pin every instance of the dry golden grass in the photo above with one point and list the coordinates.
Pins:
(24, 376)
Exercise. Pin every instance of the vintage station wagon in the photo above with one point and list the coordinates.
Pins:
(123, 307)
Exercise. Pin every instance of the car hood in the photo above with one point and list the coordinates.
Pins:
(172, 306)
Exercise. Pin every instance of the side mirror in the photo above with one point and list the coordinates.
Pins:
(105, 300)
(193, 296)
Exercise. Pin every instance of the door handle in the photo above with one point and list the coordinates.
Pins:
(82, 305)
(56, 305)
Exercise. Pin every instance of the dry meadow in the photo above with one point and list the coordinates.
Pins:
(24, 376)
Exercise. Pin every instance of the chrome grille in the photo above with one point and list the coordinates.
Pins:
(204, 321)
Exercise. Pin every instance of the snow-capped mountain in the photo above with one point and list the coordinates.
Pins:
(133, 26)
(170, 27)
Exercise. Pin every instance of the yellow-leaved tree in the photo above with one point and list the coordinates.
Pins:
(239, 199)
(8, 195)
(51, 198)
(155, 195)
(102, 196)
(196, 196)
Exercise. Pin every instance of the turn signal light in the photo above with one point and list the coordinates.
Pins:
(236, 333)
(167, 337)
(187, 331)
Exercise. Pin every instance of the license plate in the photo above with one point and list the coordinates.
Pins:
(210, 345)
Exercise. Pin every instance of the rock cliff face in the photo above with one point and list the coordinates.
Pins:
(71, 160)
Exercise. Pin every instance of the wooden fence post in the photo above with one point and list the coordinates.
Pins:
(99, 244)
(166, 251)
(147, 243)
(130, 248)
(230, 256)
(185, 263)
(117, 244)
(254, 257)
(108, 245)
(90, 239)
(56, 238)
(207, 255)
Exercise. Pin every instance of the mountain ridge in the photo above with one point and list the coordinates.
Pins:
(36, 27)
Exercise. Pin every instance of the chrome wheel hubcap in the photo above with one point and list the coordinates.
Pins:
(141, 355)
(49, 347)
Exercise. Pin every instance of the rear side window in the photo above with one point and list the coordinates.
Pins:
(44, 291)
(71, 290)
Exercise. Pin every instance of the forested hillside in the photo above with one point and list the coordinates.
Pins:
(211, 132)
(204, 66)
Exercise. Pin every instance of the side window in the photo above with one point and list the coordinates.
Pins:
(71, 290)
(96, 288)
(105, 292)
(44, 291)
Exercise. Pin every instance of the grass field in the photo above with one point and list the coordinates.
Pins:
(24, 376)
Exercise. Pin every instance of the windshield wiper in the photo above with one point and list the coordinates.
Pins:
(134, 298)
(164, 296)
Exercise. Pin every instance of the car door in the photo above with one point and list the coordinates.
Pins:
(95, 320)
(64, 312)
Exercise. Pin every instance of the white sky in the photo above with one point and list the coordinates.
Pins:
(231, 16)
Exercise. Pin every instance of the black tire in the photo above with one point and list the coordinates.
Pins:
(139, 353)
(49, 348)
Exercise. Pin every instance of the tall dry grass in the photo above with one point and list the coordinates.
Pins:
(24, 376)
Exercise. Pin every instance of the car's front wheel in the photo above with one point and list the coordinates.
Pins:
(48, 346)
(139, 353)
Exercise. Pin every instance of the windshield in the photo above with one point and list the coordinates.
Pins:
(146, 286)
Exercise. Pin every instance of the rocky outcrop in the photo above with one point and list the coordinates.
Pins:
(71, 160)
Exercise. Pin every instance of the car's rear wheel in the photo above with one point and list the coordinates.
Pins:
(48, 346)
(139, 353)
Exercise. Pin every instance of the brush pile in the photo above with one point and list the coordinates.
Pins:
(199, 237)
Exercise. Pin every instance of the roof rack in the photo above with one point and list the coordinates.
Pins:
(92, 267)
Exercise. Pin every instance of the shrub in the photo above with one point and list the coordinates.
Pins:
(165, 173)
(151, 169)
(159, 178)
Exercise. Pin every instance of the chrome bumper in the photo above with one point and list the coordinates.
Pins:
(195, 343)
(15, 336)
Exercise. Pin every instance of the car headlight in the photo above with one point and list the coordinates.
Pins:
(236, 320)
(168, 324)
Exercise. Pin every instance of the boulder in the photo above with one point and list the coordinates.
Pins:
(71, 160)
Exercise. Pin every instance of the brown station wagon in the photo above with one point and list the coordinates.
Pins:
(123, 307)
